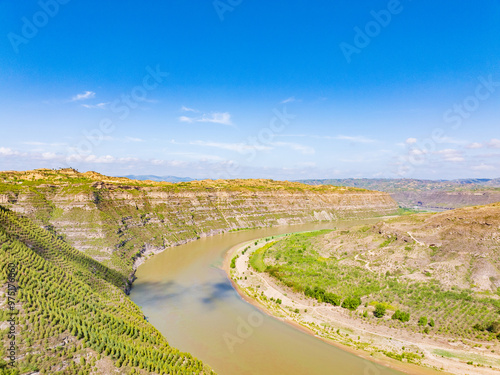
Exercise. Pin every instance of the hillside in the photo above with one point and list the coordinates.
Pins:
(119, 222)
(431, 279)
(68, 312)
(159, 178)
(430, 194)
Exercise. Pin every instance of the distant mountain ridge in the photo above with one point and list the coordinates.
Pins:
(427, 194)
(151, 177)
(407, 184)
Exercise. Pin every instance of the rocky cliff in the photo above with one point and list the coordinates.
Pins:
(119, 221)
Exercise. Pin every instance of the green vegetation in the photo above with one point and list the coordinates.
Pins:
(402, 316)
(70, 310)
(422, 321)
(379, 311)
(339, 278)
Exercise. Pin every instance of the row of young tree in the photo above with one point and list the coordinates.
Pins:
(63, 292)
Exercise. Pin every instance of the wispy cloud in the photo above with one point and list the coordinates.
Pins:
(410, 141)
(289, 100)
(295, 146)
(84, 96)
(474, 145)
(238, 147)
(494, 143)
(450, 154)
(197, 156)
(223, 118)
(98, 106)
(482, 167)
(132, 139)
(5, 151)
(186, 119)
(187, 109)
(355, 139)
(34, 143)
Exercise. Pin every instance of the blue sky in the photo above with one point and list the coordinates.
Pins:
(253, 89)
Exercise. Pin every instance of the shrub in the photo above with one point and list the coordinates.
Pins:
(351, 303)
(379, 310)
(422, 321)
(401, 315)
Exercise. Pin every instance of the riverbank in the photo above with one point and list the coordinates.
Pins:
(346, 330)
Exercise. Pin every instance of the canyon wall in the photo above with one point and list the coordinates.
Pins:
(119, 221)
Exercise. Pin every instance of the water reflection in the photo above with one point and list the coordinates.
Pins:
(196, 308)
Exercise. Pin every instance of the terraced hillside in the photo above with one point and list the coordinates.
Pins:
(119, 222)
(64, 313)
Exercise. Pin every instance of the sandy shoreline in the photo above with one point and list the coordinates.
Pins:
(430, 364)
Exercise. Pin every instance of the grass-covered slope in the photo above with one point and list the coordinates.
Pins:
(442, 270)
(71, 317)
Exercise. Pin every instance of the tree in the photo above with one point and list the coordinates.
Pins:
(422, 321)
(403, 316)
(379, 310)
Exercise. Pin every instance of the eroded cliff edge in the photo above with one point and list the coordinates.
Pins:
(119, 222)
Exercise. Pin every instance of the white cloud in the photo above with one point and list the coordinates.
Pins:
(295, 146)
(450, 154)
(7, 151)
(238, 147)
(132, 139)
(356, 139)
(417, 151)
(35, 143)
(306, 164)
(197, 156)
(289, 100)
(482, 167)
(98, 106)
(494, 143)
(475, 145)
(86, 95)
(186, 119)
(49, 156)
(410, 141)
(223, 118)
(187, 109)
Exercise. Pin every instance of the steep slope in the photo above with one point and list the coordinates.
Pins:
(63, 313)
(119, 222)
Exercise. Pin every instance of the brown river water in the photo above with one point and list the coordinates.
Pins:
(188, 297)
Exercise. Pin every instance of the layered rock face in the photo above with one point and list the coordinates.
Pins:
(119, 221)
